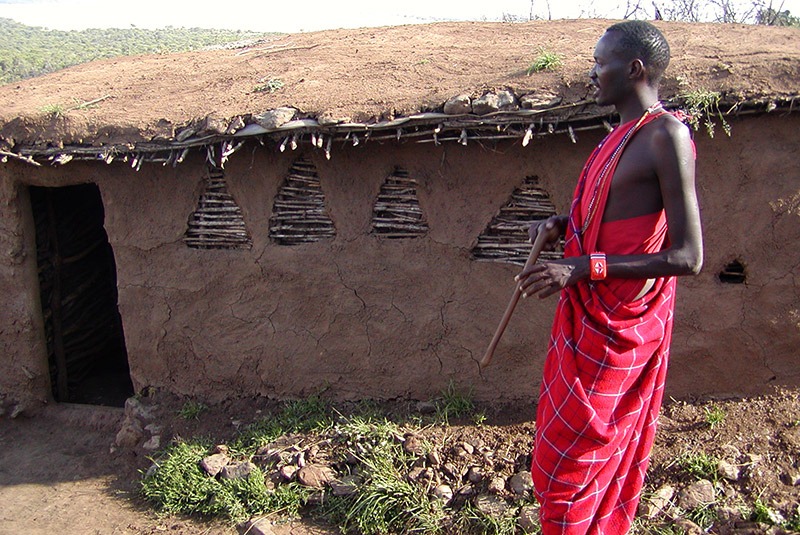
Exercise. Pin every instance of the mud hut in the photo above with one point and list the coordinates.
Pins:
(342, 212)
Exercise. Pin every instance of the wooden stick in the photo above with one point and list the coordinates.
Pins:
(538, 245)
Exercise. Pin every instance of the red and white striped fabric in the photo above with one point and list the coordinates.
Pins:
(604, 373)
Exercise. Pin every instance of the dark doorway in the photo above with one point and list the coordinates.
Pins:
(78, 282)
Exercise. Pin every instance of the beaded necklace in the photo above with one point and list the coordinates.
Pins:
(614, 156)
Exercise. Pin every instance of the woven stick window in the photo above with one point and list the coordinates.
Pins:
(217, 223)
(298, 214)
(396, 213)
(506, 237)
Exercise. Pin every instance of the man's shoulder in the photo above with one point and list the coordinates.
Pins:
(668, 129)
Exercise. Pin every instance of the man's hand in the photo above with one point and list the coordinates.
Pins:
(553, 227)
(548, 278)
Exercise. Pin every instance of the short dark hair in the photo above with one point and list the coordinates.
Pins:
(641, 40)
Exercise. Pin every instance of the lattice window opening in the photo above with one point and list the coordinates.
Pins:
(298, 213)
(733, 273)
(397, 213)
(217, 223)
(506, 238)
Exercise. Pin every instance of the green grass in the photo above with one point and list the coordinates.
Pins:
(714, 416)
(471, 520)
(311, 414)
(704, 516)
(179, 485)
(453, 404)
(192, 410)
(269, 85)
(545, 61)
(53, 110)
(699, 465)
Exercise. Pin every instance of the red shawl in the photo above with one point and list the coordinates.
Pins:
(605, 368)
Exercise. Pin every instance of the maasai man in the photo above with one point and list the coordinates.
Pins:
(634, 225)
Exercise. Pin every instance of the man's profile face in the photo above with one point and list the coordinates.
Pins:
(610, 72)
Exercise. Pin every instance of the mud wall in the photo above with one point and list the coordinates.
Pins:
(365, 317)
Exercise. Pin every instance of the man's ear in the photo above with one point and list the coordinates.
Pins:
(637, 70)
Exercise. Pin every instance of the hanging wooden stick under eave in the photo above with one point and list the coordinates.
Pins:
(538, 245)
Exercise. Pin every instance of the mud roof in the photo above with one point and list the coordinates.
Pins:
(424, 83)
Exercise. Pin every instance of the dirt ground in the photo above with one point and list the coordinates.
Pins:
(59, 475)
(372, 73)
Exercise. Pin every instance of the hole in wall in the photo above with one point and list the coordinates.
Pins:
(78, 289)
(298, 212)
(733, 273)
(506, 239)
(396, 212)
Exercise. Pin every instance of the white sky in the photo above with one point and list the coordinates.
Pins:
(307, 15)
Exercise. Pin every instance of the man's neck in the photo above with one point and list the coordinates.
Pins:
(635, 106)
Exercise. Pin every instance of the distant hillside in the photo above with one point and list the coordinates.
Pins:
(27, 51)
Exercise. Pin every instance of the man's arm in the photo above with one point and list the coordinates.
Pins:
(672, 156)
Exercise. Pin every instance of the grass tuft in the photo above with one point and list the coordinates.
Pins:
(268, 85)
(179, 486)
(545, 61)
(714, 416)
(192, 410)
(700, 465)
(453, 404)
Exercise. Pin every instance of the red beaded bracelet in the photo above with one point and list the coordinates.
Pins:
(599, 269)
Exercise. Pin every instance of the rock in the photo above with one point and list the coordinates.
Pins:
(451, 471)
(275, 118)
(237, 123)
(135, 409)
(792, 478)
(754, 458)
(288, 472)
(728, 515)
(688, 527)
(506, 100)
(521, 482)
(315, 476)
(496, 485)
(129, 434)
(487, 103)
(491, 505)
(728, 470)
(237, 470)
(458, 105)
(466, 490)
(469, 448)
(697, 494)
(267, 456)
(255, 526)
(345, 486)
(213, 464)
(658, 503)
(426, 407)
(221, 448)
(212, 125)
(475, 474)
(791, 439)
(416, 473)
(413, 444)
(433, 458)
(444, 493)
(528, 520)
(153, 443)
(328, 119)
(541, 101)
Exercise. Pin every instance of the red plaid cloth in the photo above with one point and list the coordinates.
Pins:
(604, 374)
